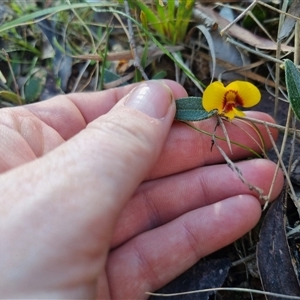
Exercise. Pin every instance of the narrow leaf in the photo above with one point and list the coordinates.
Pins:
(185, 69)
(159, 75)
(11, 97)
(191, 109)
(171, 11)
(31, 18)
(210, 43)
(152, 18)
(292, 79)
(288, 25)
(35, 85)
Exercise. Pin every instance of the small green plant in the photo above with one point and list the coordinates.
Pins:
(169, 20)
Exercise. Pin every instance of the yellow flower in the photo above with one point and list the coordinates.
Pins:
(226, 99)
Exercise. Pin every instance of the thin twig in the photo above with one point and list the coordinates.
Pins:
(137, 61)
(280, 87)
(272, 125)
(220, 121)
(79, 77)
(119, 81)
(222, 138)
(235, 169)
(277, 67)
(293, 231)
(13, 77)
(293, 141)
(258, 53)
(280, 162)
(244, 260)
(233, 289)
(253, 126)
(239, 17)
(277, 79)
(252, 16)
(278, 10)
(279, 156)
(84, 25)
(127, 54)
(240, 70)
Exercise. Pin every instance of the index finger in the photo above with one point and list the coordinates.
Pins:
(187, 148)
(69, 114)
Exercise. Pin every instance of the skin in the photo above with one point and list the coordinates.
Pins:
(104, 196)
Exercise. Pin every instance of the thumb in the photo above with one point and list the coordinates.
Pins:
(128, 140)
(67, 202)
(93, 174)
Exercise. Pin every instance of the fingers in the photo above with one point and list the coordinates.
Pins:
(68, 114)
(160, 201)
(154, 258)
(95, 105)
(81, 187)
(127, 140)
(187, 148)
(24, 138)
(33, 130)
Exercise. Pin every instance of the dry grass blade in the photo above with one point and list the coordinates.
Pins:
(242, 70)
(287, 175)
(251, 6)
(153, 51)
(261, 143)
(137, 61)
(220, 121)
(243, 290)
(237, 171)
(13, 77)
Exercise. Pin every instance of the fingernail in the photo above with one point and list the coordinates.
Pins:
(152, 98)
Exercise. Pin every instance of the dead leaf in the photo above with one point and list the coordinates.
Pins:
(288, 25)
(204, 274)
(273, 255)
(243, 34)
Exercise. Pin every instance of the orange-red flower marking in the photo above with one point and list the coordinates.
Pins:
(227, 99)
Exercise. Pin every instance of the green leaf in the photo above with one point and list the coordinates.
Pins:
(109, 76)
(32, 17)
(259, 13)
(159, 75)
(35, 85)
(292, 79)
(151, 16)
(191, 109)
(183, 18)
(185, 69)
(11, 97)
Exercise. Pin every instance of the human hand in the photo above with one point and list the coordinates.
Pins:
(100, 200)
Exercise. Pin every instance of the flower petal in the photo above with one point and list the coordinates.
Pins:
(249, 93)
(238, 113)
(233, 113)
(230, 114)
(213, 97)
